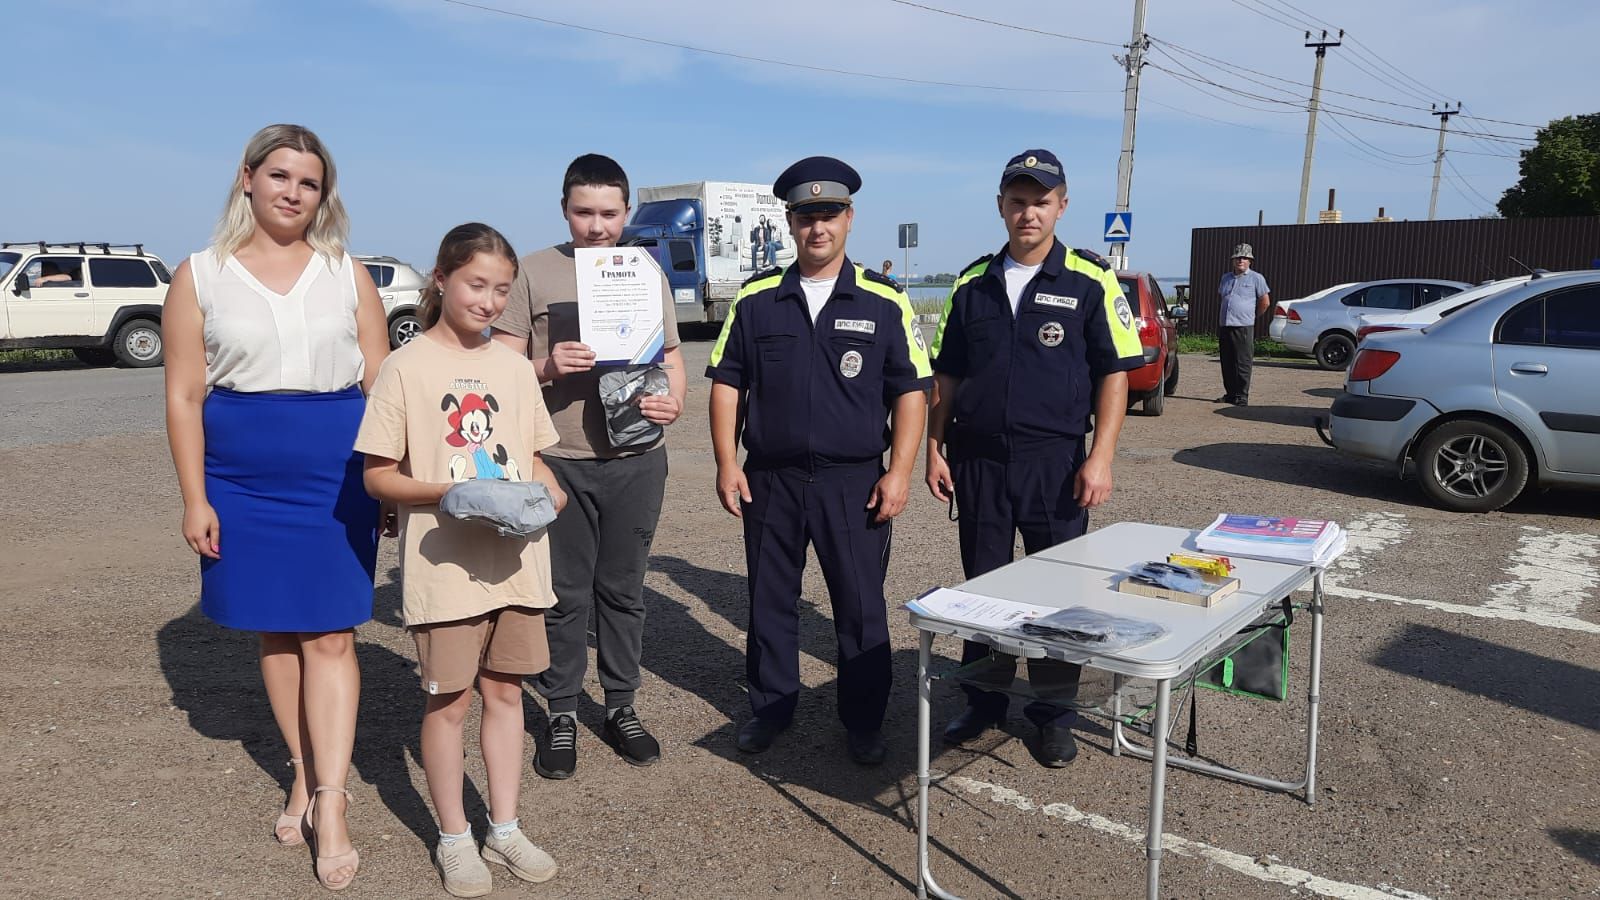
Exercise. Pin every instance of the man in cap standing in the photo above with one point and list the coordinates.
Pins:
(1029, 345)
(814, 363)
(1244, 298)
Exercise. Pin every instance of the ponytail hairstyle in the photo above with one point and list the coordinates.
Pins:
(459, 246)
(330, 226)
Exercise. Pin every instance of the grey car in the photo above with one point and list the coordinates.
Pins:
(1499, 394)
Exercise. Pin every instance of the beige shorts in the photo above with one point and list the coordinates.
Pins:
(509, 641)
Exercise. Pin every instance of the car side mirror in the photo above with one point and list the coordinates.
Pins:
(20, 286)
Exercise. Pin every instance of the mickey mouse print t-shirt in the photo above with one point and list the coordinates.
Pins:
(450, 415)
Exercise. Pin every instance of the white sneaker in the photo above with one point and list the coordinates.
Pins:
(518, 854)
(462, 869)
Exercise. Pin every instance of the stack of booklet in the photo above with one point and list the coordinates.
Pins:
(1313, 542)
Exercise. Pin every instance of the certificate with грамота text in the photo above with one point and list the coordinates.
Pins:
(620, 304)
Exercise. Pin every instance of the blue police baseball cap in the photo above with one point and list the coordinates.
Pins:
(817, 184)
(1040, 165)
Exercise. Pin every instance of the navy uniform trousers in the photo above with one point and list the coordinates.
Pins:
(826, 508)
(1002, 490)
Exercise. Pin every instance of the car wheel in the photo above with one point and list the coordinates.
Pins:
(1170, 387)
(1471, 466)
(1155, 402)
(138, 344)
(94, 356)
(403, 329)
(1333, 352)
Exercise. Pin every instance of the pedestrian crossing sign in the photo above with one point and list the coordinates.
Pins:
(1119, 226)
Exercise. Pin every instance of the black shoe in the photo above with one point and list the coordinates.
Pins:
(1057, 746)
(866, 747)
(627, 733)
(972, 722)
(756, 735)
(1240, 401)
(1225, 398)
(557, 755)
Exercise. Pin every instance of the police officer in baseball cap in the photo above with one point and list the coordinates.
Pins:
(1032, 353)
(822, 366)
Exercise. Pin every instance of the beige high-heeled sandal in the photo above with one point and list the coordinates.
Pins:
(327, 865)
(293, 825)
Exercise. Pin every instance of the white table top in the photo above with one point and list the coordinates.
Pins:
(1084, 572)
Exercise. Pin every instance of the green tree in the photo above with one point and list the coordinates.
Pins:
(1560, 173)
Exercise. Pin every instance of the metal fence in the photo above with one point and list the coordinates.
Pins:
(1300, 259)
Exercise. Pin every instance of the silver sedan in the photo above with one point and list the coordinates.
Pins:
(1503, 393)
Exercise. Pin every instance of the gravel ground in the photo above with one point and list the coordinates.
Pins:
(1461, 698)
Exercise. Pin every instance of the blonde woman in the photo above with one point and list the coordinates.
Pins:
(273, 335)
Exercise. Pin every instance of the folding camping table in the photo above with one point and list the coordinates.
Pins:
(1084, 572)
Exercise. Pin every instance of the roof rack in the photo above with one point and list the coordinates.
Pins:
(105, 247)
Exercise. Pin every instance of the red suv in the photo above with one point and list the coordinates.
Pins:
(1155, 381)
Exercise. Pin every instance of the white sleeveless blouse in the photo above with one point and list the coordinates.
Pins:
(260, 340)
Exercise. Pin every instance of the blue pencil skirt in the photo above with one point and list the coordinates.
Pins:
(299, 535)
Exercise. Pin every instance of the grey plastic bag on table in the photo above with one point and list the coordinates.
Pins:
(620, 392)
(513, 508)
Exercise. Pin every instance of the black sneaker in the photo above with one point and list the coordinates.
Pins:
(1057, 746)
(626, 732)
(756, 735)
(557, 755)
(972, 722)
(866, 747)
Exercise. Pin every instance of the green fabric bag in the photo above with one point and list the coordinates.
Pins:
(1260, 667)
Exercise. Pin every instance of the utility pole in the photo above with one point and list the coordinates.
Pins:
(1438, 158)
(1131, 64)
(1311, 124)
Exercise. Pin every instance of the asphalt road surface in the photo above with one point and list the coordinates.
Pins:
(1461, 698)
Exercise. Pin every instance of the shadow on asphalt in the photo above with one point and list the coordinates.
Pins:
(216, 680)
(1538, 684)
(1320, 467)
(1585, 844)
(809, 756)
(1326, 393)
(53, 365)
(1298, 416)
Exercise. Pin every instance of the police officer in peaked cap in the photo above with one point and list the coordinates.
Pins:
(821, 367)
(1032, 353)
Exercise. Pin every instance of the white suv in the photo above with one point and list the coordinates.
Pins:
(400, 286)
(101, 301)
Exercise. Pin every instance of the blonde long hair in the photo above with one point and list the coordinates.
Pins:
(330, 227)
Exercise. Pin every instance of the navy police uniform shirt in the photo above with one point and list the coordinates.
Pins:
(1031, 376)
(819, 394)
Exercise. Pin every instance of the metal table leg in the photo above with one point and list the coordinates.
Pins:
(1313, 693)
(926, 886)
(1120, 743)
(1158, 790)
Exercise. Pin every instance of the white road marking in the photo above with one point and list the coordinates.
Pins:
(1272, 873)
(1568, 623)
(1552, 577)
(1369, 534)
(1553, 573)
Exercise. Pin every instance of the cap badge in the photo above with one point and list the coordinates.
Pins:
(1031, 161)
(816, 188)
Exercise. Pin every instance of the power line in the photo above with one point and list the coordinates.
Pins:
(1463, 180)
(1266, 15)
(1008, 25)
(1349, 112)
(1404, 159)
(1190, 112)
(744, 57)
(1234, 69)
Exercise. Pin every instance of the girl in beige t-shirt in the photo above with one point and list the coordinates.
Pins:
(448, 407)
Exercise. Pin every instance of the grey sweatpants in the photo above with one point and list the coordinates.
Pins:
(599, 549)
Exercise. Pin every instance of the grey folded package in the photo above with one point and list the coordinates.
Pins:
(620, 392)
(513, 508)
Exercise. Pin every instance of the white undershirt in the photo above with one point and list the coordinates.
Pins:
(1017, 278)
(818, 290)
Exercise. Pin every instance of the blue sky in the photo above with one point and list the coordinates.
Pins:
(126, 119)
